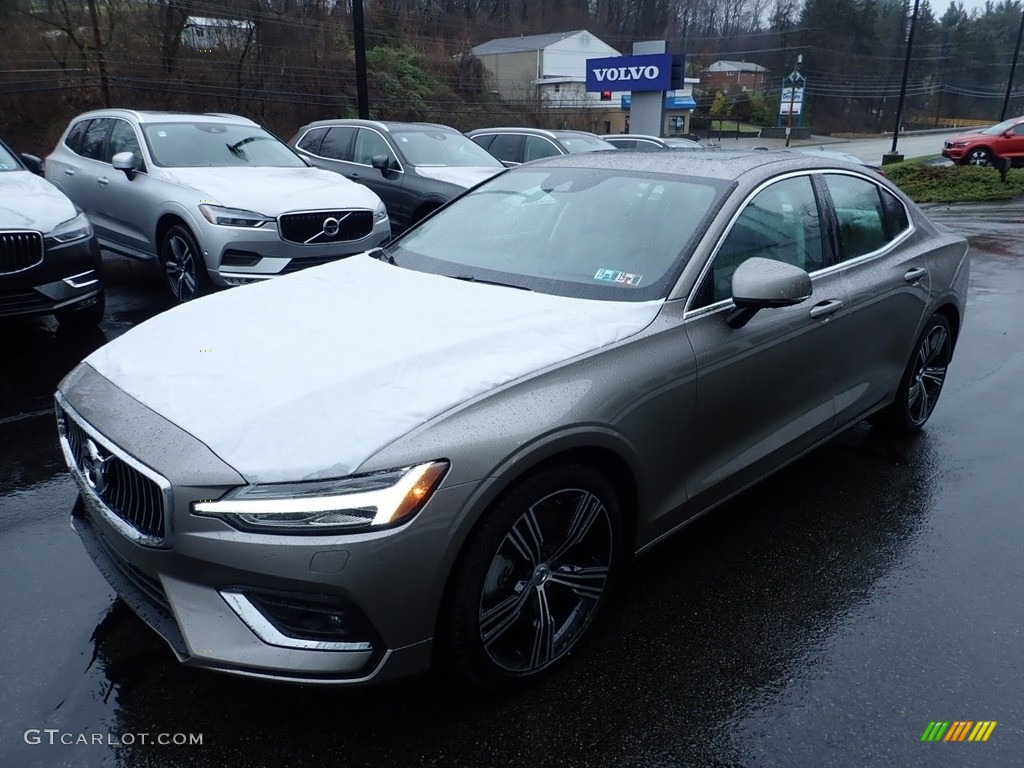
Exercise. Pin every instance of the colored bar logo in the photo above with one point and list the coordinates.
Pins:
(958, 730)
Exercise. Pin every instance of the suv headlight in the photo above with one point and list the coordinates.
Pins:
(77, 228)
(232, 217)
(380, 213)
(347, 505)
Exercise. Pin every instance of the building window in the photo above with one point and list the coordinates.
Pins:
(558, 87)
(607, 126)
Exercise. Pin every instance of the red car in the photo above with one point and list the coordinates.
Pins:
(1005, 139)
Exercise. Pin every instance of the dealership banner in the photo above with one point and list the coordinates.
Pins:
(651, 72)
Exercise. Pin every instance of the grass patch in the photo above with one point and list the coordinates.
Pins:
(956, 184)
(732, 125)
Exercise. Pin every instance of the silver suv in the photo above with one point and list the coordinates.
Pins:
(215, 198)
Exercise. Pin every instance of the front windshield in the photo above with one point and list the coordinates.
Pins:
(202, 144)
(1000, 128)
(580, 142)
(584, 232)
(426, 146)
(8, 162)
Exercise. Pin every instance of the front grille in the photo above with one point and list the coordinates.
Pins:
(325, 227)
(20, 251)
(125, 491)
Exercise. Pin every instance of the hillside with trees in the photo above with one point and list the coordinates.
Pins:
(285, 62)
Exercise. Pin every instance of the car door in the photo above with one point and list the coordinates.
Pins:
(79, 179)
(128, 205)
(389, 184)
(1013, 145)
(764, 391)
(887, 284)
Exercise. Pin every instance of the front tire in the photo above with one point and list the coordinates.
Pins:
(532, 578)
(184, 265)
(922, 380)
(979, 157)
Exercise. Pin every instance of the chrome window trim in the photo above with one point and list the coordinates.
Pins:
(120, 525)
(42, 249)
(830, 269)
(271, 635)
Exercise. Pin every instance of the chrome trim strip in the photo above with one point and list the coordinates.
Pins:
(122, 526)
(85, 283)
(271, 635)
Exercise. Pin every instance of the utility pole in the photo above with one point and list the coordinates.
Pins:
(1013, 69)
(359, 35)
(893, 156)
(793, 80)
(101, 59)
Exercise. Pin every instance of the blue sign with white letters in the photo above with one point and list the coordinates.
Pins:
(651, 72)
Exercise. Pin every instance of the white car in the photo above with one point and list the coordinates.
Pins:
(216, 199)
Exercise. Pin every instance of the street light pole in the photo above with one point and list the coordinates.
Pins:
(359, 35)
(893, 157)
(1013, 69)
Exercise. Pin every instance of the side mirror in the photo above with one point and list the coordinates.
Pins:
(763, 284)
(33, 163)
(124, 161)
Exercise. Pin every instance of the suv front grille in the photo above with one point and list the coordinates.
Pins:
(127, 493)
(20, 251)
(325, 227)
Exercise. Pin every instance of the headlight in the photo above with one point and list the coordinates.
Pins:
(232, 217)
(380, 213)
(357, 503)
(959, 144)
(77, 228)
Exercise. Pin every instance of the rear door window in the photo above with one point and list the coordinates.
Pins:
(866, 223)
(507, 147)
(337, 143)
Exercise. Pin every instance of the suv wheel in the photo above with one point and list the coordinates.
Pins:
(980, 157)
(533, 577)
(184, 265)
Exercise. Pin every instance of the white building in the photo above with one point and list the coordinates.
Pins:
(206, 34)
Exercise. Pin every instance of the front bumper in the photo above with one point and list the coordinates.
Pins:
(68, 276)
(956, 154)
(239, 255)
(204, 587)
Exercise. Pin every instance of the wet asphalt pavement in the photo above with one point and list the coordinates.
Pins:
(823, 619)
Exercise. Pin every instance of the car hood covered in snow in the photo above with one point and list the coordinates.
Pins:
(273, 191)
(308, 376)
(29, 202)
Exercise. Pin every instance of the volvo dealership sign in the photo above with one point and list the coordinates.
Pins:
(651, 72)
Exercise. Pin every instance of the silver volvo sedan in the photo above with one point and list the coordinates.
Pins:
(445, 450)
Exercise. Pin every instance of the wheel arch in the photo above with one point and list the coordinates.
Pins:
(163, 225)
(952, 313)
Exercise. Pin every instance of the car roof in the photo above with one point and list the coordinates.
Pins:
(630, 136)
(511, 129)
(156, 116)
(725, 164)
(384, 125)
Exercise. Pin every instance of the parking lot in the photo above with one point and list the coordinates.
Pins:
(824, 618)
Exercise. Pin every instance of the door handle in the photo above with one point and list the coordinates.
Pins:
(103, 180)
(915, 274)
(825, 309)
(69, 171)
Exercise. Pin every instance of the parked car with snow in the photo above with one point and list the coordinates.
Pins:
(49, 258)
(214, 198)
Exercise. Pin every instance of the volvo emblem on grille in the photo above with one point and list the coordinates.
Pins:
(331, 226)
(94, 466)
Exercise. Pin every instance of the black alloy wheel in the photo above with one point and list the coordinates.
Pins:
(922, 381)
(534, 578)
(184, 265)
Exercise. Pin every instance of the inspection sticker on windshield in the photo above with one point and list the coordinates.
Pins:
(615, 276)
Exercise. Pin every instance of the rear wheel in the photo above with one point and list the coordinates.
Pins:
(533, 578)
(922, 380)
(980, 157)
(184, 265)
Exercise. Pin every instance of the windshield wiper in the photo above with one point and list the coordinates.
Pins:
(474, 279)
(382, 254)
